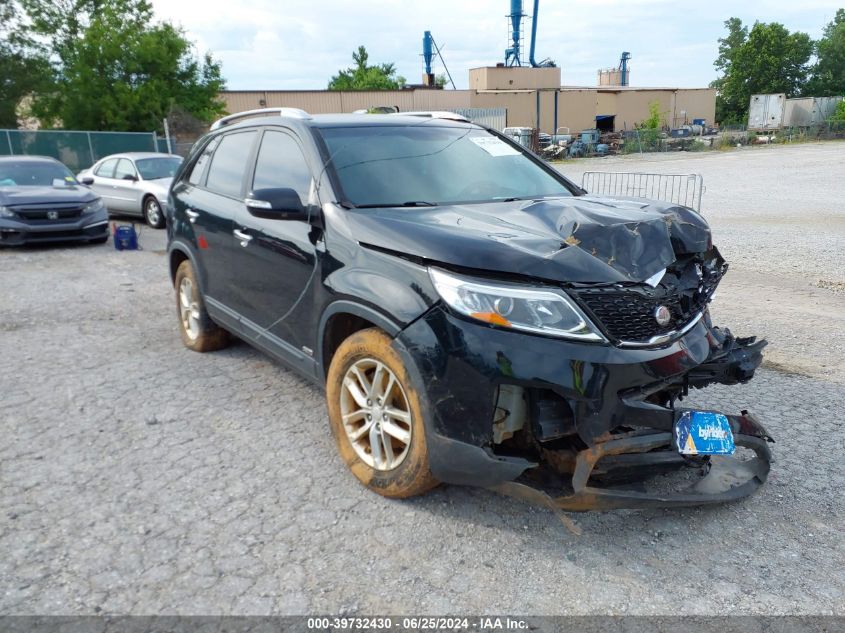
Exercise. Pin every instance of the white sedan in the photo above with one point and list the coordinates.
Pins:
(134, 183)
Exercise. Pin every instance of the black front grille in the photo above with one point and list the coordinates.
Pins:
(629, 314)
(45, 213)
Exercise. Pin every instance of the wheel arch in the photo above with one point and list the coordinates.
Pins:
(178, 254)
(342, 319)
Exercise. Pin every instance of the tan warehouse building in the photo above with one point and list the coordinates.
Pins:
(532, 97)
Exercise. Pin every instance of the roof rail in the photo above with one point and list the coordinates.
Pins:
(294, 113)
(436, 114)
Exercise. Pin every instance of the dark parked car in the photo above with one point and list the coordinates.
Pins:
(41, 201)
(474, 316)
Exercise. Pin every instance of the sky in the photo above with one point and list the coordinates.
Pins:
(284, 45)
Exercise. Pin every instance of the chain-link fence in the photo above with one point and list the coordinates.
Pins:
(77, 150)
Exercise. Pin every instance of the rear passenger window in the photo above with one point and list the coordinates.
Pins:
(198, 169)
(229, 163)
(281, 164)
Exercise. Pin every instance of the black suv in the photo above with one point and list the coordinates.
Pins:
(473, 316)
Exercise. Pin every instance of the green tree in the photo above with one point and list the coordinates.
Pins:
(839, 113)
(23, 66)
(365, 77)
(766, 59)
(119, 69)
(654, 119)
(828, 75)
(728, 46)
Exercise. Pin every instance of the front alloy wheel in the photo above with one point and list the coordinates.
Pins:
(376, 416)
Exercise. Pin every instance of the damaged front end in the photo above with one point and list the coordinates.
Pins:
(581, 426)
(629, 466)
(582, 466)
(581, 417)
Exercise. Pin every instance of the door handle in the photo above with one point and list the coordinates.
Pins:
(192, 215)
(243, 237)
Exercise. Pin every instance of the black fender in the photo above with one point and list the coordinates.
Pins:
(182, 247)
(345, 306)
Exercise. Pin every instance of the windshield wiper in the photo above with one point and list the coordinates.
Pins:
(410, 203)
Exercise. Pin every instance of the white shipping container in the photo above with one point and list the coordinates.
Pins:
(808, 111)
(798, 112)
(765, 112)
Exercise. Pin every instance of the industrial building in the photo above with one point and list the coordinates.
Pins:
(611, 108)
(530, 92)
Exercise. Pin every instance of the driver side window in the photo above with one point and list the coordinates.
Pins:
(281, 164)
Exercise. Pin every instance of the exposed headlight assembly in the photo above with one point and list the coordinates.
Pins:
(540, 310)
(97, 205)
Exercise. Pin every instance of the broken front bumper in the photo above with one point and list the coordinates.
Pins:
(620, 435)
(722, 478)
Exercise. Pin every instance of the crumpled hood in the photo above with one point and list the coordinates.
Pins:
(12, 196)
(580, 239)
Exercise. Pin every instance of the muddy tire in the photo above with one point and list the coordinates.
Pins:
(376, 416)
(198, 331)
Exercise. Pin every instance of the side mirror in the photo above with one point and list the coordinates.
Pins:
(87, 181)
(131, 177)
(276, 204)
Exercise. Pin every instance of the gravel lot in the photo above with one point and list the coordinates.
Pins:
(138, 477)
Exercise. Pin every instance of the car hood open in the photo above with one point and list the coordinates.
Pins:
(581, 239)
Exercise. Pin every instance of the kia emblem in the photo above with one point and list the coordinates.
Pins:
(662, 315)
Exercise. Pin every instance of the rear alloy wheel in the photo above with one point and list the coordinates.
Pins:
(153, 213)
(376, 417)
(198, 331)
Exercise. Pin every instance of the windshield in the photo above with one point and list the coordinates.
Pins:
(34, 174)
(153, 168)
(427, 164)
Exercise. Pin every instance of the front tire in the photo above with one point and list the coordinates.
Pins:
(376, 416)
(153, 213)
(199, 333)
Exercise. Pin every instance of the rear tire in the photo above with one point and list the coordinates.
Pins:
(376, 416)
(199, 333)
(153, 213)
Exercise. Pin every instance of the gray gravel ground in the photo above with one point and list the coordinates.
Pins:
(138, 477)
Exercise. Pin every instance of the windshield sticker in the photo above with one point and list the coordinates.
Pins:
(494, 146)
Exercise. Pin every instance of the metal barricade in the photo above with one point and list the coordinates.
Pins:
(682, 189)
